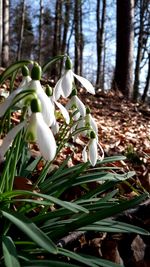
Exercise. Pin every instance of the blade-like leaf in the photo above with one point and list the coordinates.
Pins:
(51, 61)
(9, 252)
(49, 263)
(31, 230)
(13, 68)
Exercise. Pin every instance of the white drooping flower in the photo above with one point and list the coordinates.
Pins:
(36, 131)
(65, 83)
(47, 107)
(9, 100)
(43, 136)
(76, 104)
(91, 151)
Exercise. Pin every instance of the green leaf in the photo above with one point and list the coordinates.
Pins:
(113, 226)
(87, 260)
(68, 205)
(13, 68)
(51, 61)
(31, 230)
(101, 214)
(49, 263)
(9, 252)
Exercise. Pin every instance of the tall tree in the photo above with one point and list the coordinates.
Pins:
(100, 19)
(21, 31)
(139, 50)
(79, 42)
(40, 30)
(147, 84)
(1, 29)
(123, 78)
(5, 45)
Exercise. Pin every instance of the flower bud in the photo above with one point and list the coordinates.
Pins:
(25, 71)
(48, 90)
(74, 92)
(36, 105)
(36, 72)
(68, 65)
(88, 111)
(92, 135)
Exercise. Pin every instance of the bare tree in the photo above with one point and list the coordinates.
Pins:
(78, 46)
(40, 30)
(100, 39)
(5, 46)
(123, 78)
(147, 85)
(142, 9)
(21, 31)
(1, 28)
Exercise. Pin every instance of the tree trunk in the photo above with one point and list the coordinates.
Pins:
(147, 86)
(123, 78)
(21, 31)
(139, 53)
(100, 39)
(40, 31)
(78, 37)
(57, 36)
(1, 29)
(5, 46)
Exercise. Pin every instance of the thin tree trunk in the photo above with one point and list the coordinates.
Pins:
(100, 39)
(57, 36)
(1, 29)
(65, 29)
(5, 47)
(21, 31)
(139, 53)
(147, 86)
(40, 30)
(78, 37)
(123, 78)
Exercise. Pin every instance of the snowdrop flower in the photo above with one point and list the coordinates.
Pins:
(23, 85)
(36, 131)
(47, 107)
(65, 83)
(91, 150)
(39, 132)
(63, 110)
(76, 104)
(89, 121)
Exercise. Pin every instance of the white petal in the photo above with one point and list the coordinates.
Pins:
(7, 103)
(88, 86)
(93, 154)
(93, 124)
(57, 92)
(45, 139)
(47, 107)
(55, 127)
(80, 105)
(9, 138)
(66, 83)
(63, 111)
(84, 154)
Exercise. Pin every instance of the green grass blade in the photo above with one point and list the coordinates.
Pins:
(51, 61)
(49, 263)
(31, 230)
(9, 252)
(7, 73)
